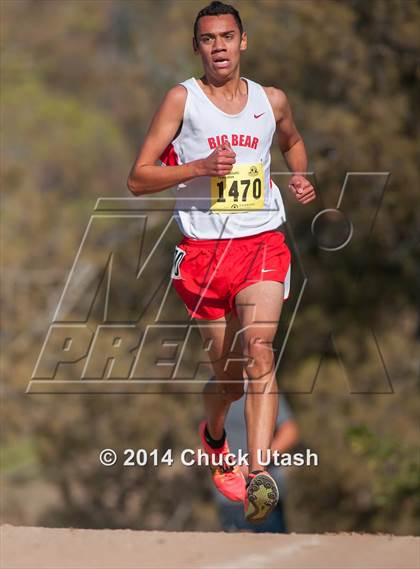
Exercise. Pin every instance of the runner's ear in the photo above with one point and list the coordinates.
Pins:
(244, 42)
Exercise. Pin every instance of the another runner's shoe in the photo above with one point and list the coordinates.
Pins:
(262, 496)
(229, 480)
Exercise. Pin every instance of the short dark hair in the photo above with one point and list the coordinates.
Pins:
(217, 9)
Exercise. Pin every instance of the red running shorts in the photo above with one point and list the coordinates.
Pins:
(208, 273)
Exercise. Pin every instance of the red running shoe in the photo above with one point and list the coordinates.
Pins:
(228, 479)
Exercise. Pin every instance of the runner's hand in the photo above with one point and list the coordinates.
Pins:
(220, 161)
(302, 189)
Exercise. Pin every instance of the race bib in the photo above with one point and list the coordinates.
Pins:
(240, 191)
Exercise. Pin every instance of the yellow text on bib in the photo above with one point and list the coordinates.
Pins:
(240, 191)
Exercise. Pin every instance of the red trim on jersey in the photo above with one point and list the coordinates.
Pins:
(271, 183)
(169, 157)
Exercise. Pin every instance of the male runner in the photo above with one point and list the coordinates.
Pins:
(232, 268)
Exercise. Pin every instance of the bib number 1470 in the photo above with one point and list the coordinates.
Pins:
(241, 190)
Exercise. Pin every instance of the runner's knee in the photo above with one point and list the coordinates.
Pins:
(260, 352)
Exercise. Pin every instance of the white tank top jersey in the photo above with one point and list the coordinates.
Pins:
(250, 134)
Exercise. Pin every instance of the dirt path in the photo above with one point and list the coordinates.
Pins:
(43, 548)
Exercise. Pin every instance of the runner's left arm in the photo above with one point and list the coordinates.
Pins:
(291, 145)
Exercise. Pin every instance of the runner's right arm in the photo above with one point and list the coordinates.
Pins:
(146, 177)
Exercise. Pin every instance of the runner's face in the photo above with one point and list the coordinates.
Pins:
(220, 44)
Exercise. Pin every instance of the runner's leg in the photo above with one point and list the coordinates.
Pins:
(227, 361)
(259, 307)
